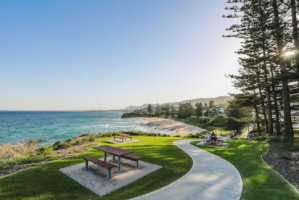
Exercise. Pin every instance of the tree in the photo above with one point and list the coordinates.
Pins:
(198, 109)
(212, 108)
(267, 28)
(167, 110)
(149, 109)
(158, 110)
(172, 110)
(238, 116)
(185, 110)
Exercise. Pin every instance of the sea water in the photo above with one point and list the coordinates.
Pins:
(48, 127)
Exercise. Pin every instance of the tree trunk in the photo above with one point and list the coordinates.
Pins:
(295, 32)
(262, 101)
(268, 96)
(277, 113)
(288, 127)
(257, 118)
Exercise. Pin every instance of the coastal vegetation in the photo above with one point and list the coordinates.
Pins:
(28, 153)
(207, 116)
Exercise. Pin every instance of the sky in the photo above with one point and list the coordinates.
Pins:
(109, 54)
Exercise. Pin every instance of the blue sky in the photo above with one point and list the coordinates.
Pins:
(96, 54)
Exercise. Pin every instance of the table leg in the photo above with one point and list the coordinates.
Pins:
(105, 156)
(118, 164)
(86, 164)
(108, 174)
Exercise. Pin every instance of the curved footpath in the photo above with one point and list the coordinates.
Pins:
(211, 177)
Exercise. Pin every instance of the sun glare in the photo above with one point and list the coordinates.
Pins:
(289, 53)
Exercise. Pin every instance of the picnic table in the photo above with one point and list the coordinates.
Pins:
(122, 136)
(114, 151)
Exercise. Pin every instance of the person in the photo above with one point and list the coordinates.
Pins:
(209, 138)
(213, 138)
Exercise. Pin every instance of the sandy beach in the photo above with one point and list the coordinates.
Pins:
(179, 128)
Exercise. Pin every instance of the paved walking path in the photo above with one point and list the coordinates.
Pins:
(211, 177)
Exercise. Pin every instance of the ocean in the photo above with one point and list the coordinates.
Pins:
(47, 127)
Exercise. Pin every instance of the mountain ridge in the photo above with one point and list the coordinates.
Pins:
(217, 100)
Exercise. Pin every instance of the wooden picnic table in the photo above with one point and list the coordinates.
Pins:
(122, 136)
(114, 151)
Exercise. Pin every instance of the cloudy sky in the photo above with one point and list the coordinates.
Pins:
(96, 54)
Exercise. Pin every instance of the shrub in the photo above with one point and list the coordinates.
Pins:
(45, 150)
(58, 145)
(78, 142)
(273, 138)
(85, 135)
(176, 136)
(260, 138)
(290, 147)
(284, 139)
(219, 120)
(203, 120)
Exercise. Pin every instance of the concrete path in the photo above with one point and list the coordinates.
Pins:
(211, 177)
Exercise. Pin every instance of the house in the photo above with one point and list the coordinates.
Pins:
(295, 118)
(220, 110)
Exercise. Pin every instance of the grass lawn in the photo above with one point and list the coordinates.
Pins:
(259, 182)
(47, 182)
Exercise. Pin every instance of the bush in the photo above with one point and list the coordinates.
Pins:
(290, 147)
(284, 139)
(58, 145)
(260, 138)
(219, 120)
(91, 139)
(85, 135)
(176, 136)
(203, 120)
(45, 150)
(273, 138)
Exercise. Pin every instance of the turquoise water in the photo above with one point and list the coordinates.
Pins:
(48, 127)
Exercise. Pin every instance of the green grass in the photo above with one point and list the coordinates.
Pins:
(47, 182)
(259, 181)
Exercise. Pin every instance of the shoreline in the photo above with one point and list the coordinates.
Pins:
(179, 128)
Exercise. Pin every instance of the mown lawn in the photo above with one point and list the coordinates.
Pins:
(259, 182)
(47, 182)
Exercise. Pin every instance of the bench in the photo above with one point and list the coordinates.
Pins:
(122, 136)
(106, 165)
(133, 158)
(219, 141)
(117, 136)
(205, 141)
(125, 135)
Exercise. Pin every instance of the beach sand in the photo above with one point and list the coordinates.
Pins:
(179, 128)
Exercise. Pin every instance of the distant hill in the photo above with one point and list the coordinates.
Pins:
(217, 101)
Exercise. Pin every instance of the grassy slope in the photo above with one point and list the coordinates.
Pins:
(46, 182)
(259, 182)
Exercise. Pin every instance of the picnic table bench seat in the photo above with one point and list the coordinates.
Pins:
(122, 136)
(104, 164)
(125, 135)
(133, 158)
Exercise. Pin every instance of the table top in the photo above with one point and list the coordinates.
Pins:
(113, 150)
